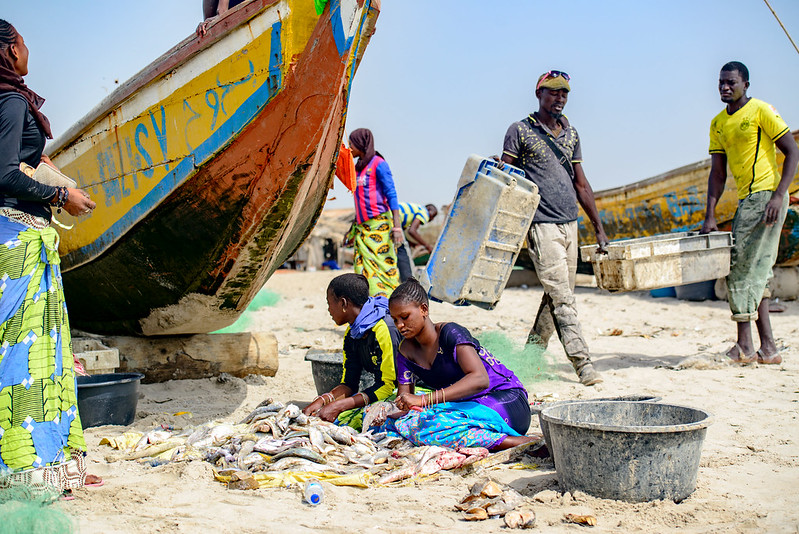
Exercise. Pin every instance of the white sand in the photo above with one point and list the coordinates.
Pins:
(748, 477)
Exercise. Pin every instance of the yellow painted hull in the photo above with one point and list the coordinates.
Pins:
(209, 167)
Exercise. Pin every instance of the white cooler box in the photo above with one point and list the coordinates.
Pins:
(663, 260)
(484, 232)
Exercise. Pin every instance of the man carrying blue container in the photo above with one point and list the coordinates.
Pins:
(546, 146)
(744, 135)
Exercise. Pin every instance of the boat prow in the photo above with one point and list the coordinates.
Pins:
(209, 167)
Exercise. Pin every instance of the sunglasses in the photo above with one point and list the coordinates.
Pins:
(552, 74)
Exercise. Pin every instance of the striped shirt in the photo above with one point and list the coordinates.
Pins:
(410, 212)
(374, 191)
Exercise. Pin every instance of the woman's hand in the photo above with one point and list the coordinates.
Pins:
(314, 407)
(46, 159)
(330, 411)
(397, 236)
(406, 401)
(78, 203)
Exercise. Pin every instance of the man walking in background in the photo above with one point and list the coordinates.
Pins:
(744, 135)
(546, 146)
(412, 217)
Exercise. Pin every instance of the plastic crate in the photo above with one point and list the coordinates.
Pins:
(482, 235)
(660, 261)
(95, 357)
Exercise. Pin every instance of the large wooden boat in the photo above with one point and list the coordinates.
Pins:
(675, 202)
(209, 167)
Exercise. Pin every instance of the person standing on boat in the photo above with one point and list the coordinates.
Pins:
(546, 146)
(41, 438)
(744, 135)
(413, 216)
(213, 9)
(377, 231)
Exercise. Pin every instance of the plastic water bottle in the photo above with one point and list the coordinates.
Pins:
(313, 492)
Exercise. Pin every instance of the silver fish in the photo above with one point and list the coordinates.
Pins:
(291, 411)
(283, 423)
(317, 438)
(299, 464)
(297, 434)
(300, 452)
(252, 459)
(151, 438)
(338, 433)
(276, 446)
(258, 413)
(302, 419)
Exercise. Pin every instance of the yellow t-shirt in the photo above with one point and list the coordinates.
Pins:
(747, 138)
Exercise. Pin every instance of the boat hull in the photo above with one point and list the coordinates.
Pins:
(228, 206)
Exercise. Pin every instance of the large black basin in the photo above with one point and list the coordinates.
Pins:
(108, 399)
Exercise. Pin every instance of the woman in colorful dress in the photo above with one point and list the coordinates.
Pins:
(377, 231)
(41, 438)
(475, 400)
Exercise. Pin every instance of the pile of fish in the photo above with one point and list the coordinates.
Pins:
(277, 438)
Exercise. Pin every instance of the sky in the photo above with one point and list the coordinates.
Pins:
(443, 79)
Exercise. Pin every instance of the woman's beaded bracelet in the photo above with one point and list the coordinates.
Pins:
(60, 198)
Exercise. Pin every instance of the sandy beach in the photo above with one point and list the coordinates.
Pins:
(667, 348)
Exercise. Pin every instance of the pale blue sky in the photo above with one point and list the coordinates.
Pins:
(443, 79)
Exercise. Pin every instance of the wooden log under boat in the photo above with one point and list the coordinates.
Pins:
(675, 202)
(209, 167)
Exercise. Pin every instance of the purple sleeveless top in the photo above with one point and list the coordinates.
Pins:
(445, 370)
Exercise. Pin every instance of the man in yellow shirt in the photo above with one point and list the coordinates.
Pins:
(744, 135)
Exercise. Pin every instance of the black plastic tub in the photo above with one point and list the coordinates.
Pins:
(108, 399)
(536, 409)
(327, 368)
(629, 451)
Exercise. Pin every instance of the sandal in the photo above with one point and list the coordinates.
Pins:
(773, 359)
(96, 484)
(67, 495)
(741, 357)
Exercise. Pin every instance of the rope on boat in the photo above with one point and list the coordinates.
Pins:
(782, 26)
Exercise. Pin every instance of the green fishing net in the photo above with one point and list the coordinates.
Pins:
(264, 299)
(24, 510)
(528, 362)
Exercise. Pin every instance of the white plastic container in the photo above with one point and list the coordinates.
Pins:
(663, 260)
(313, 493)
(95, 357)
(483, 234)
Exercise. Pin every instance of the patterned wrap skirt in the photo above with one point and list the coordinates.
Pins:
(375, 257)
(41, 437)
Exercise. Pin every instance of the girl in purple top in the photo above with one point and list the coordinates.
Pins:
(465, 377)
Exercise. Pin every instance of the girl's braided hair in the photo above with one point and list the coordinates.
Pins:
(8, 34)
(351, 286)
(409, 292)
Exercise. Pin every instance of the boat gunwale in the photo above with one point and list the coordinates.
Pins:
(172, 58)
(663, 176)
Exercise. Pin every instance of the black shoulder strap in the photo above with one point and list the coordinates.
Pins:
(559, 155)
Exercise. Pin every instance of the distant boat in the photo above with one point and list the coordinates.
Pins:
(209, 167)
(675, 201)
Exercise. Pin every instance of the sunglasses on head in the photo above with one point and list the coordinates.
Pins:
(553, 74)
